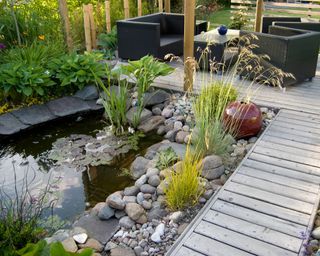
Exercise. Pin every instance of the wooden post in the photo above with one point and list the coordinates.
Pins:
(160, 2)
(87, 31)
(139, 7)
(126, 9)
(258, 20)
(63, 8)
(188, 51)
(167, 6)
(92, 27)
(108, 17)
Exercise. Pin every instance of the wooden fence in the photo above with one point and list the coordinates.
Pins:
(305, 9)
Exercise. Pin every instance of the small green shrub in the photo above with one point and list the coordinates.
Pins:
(55, 249)
(108, 43)
(76, 70)
(166, 158)
(184, 188)
(239, 20)
(19, 80)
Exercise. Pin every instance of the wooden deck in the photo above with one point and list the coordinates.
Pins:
(267, 207)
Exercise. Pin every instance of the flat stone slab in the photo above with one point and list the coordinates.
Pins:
(98, 229)
(10, 125)
(67, 106)
(33, 115)
(93, 106)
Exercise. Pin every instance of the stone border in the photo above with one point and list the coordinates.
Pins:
(26, 118)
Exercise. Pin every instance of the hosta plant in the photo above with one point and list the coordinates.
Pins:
(77, 70)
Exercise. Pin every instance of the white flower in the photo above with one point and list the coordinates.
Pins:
(130, 130)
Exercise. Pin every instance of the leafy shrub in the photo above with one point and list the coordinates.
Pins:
(239, 20)
(166, 158)
(184, 188)
(144, 72)
(55, 249)
(77, 70)
(20, 80)
(36, 53)
(108, 43)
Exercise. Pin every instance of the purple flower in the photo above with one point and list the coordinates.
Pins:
(2, 46)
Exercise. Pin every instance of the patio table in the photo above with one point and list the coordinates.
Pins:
(216, 45)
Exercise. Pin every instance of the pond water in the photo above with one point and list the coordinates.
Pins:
(27, 156)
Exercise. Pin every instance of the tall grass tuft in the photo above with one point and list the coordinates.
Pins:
(209, 136)
(184, 187)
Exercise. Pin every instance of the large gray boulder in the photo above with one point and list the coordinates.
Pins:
(89, 92)
(145, 114)
(157, 97)
(152, 123)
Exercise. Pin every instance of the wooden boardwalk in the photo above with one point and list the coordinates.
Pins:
(302, 97)
(267, 207)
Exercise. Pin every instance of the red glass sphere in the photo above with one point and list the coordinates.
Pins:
(242, 119)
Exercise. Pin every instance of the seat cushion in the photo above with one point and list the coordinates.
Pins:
(171, 44)
(170, 39)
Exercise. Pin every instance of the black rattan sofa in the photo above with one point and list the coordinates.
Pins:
(291, 50)
(155, 34)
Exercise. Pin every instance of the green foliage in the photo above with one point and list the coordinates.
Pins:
(36, 53)
(144, 72)
(210, 136)
(239, 20)
(77, 70)
(166, 158)
(20, 80)
(213, 99)
(184, 188)
(108, 43)
(55, 249)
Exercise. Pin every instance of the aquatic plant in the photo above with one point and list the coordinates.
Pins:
(143, 72)
(21, 212)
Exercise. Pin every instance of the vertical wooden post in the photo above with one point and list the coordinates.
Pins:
(160, 2)
(108, 17)
(92, 27)
(167, 6)
(126, 9)
(188, 51)
(258, 20)
(63, 9)
(87, 30)
(139, 7)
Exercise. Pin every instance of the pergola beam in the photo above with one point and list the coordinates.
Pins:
(188, 51)
(258, 20)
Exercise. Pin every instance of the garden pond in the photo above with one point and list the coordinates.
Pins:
(28, 155)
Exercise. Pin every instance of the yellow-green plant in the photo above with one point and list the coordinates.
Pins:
(184, 188)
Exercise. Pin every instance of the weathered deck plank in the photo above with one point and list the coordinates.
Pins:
(269, 203)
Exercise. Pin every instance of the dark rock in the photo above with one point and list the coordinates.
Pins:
(67, 106)
(94, 106)
(10, 125)
(97, 229)
(157, 97)
(115, 201)
(33, 115)
(89, 92)
(106, 212)
(146, 188)
(212, 167)
(152, 123)
(145, 114)
(126, 222)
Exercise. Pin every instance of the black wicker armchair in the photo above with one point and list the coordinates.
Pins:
(268, 21)
(291, 50)
(156, 34)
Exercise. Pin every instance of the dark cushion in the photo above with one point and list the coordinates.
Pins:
(169, 39)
